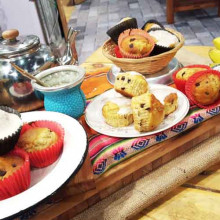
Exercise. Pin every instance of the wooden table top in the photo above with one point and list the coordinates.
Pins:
(199, 198)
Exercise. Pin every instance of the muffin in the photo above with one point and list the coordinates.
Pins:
(148, 112)
(10, 128)
(124, 24)
(43, 141)
(152, 24)
(131, 84)
(170, 103)
(117, 114)
(164, 40)
(135, 43)
(203, 88)
(182, 75)
(14, 173)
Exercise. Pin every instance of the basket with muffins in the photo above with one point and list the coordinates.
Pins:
(22, 146)
(143, 109)
(146, 50)
(200, 83)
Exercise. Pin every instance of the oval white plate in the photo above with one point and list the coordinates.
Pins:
(96, 121)
(47, 180)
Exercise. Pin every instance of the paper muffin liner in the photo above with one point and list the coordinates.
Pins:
(9, 142)
(20, 180)
(158, 49)
(190, 82)
(180, 83)
(47, 156)
(117, 52)
(152, 21)
(132, 32)
(115, 31)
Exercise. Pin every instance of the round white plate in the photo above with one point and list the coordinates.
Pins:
(96, 121)
(47, 180)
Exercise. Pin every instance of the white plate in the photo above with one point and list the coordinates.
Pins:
(96, 121)
(47, 180)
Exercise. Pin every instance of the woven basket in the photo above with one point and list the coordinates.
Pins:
(146, 65)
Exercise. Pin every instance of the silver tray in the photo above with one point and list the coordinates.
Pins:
(162, 77)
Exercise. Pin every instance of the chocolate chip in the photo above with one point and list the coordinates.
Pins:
(183, 73)
(148, 109)
(207, 93)
(131, 45)
(142, 105)
(14, 165)
(206, 82)
(122, 88)
(117, 78)
(197, 84)
(123, 78)
(129, 80)
(2, 172)
(132, 39)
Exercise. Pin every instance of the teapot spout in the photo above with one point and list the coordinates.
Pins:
(70, 55)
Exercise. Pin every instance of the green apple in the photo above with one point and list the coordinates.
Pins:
(214, 55)
(216, 43)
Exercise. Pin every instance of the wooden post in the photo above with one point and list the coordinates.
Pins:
(219, 8)
(62, 17)
(170, 11)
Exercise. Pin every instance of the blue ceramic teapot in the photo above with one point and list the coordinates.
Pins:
(63, 93)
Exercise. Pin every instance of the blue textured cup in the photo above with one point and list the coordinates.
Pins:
(68, 98)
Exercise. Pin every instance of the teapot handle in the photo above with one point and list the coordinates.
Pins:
(10, 34)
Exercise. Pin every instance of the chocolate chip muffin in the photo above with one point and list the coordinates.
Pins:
(117, 114)
(131, 84)
(204, 87)
(36, 139)
(9, 164)
(170, 103)
(148, 112)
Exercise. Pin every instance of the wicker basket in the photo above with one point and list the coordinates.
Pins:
(146, 65)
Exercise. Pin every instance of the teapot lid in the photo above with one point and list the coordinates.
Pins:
(12, 44)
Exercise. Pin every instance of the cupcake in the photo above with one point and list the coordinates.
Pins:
(148, 112)
(164, 40)
(43, 141)
(117, 114)
(203, 88)
(170, 103)
(10, 128)
(152, 24)
(130, 84)
(135, 43)
(124, 24)
(182, 75)
(14, 173)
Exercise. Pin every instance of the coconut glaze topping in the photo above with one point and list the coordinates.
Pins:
(9, 124)
(164, 38)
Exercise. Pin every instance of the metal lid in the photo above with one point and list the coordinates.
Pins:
(12, 44)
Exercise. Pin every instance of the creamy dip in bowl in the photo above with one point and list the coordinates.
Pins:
(63, 93)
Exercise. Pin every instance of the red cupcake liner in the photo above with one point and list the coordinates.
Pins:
(117, 52)
(131, 32)
(47, 156)
(190, 82)
(20, 180)
(180, 83)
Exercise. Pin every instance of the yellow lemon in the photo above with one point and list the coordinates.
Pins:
(214, 55)
(216, 43)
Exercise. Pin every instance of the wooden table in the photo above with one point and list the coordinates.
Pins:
(204, 188)
(199, 198)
